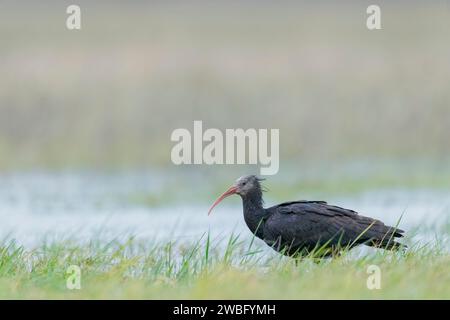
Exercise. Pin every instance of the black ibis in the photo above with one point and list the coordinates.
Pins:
(296, 228)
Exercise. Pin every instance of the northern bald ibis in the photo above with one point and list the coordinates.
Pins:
(297, 228)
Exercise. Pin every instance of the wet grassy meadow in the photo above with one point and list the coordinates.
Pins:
(86, 117)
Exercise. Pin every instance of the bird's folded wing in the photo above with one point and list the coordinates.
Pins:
(308, 223)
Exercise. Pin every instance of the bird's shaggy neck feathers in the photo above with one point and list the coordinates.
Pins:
(254, 212)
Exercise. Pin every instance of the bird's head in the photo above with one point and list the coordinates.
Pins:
(244, 186)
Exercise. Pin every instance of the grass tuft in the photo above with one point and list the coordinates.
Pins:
(241, 269)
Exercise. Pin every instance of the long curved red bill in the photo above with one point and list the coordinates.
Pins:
(227, 193)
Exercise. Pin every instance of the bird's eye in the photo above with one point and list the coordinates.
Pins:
(243, 183)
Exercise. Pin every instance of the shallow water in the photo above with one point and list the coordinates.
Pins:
(47, 206)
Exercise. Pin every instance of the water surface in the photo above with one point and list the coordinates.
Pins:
(84, 206)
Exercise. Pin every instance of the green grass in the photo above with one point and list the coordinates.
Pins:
(214, 269)
(110, 96)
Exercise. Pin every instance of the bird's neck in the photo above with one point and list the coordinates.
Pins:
(254, 213)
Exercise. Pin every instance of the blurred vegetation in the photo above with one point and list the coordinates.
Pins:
(356, 110)
(306, 180)
(109, 96)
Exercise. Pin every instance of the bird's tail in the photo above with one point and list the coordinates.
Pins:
(387, 245)
(387, 241)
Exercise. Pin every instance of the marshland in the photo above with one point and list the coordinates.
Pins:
(86, 116)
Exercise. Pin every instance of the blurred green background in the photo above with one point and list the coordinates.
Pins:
(108, 96)
(86, 117)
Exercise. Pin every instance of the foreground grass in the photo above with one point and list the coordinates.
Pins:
(209, 269)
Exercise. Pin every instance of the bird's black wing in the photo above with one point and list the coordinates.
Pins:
(315, 223)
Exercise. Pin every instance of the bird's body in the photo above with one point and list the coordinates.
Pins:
(302, 227)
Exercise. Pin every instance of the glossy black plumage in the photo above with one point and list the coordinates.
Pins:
(301, 227)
